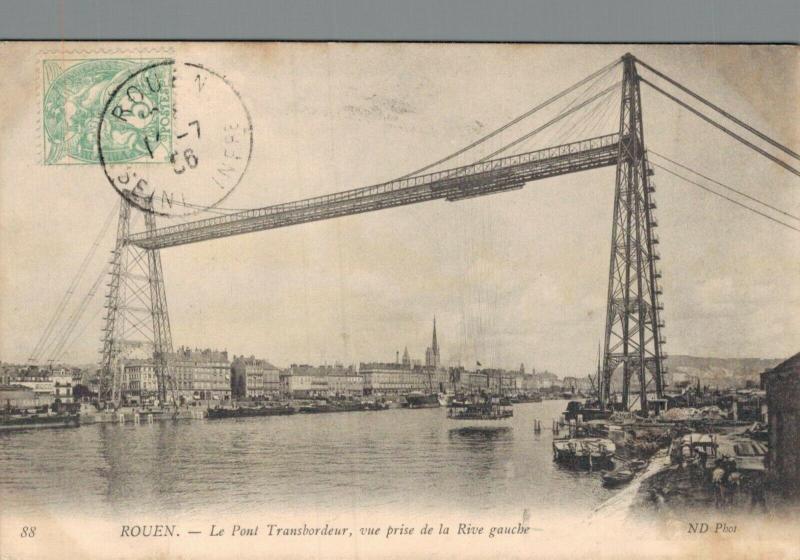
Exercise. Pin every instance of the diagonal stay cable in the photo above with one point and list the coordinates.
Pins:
(516, 120)
(729, 199)
(580, 126)
(45, 340)
(76, 315)
(724, 129)
(723, 185)
(723, 112)
(595, 97)
(560, 134)
(76, 336)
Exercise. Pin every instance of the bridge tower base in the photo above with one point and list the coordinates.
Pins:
(137, 319)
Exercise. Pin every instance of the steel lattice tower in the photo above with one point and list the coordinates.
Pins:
(633, 328)
(136, 310)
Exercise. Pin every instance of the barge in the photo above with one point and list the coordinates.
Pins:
(587, 452)
(480, 411)
(248, 411)
(35, 421)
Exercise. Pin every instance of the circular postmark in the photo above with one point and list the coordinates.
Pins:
(174, 139)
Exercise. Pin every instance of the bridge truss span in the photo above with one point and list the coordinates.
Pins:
(459, 183)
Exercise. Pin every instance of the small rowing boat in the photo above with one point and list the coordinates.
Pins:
(612, 479)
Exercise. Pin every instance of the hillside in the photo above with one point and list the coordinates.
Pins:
(717, 372)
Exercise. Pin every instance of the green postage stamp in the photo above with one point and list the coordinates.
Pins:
(75, 94)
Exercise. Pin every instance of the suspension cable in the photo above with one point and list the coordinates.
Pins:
(720, 110)
(76, 315)
(746, 207)
(45, 339)
(512, 122)
(559, 134)
(78, 333)
(595, 97)
(745, 195)
(722, 128)
(583, 125)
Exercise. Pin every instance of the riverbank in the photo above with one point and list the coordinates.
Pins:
(729, 479)
(621, 506)
(718, 471)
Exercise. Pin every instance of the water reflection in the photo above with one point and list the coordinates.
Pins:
(478, 435)
(482, 451)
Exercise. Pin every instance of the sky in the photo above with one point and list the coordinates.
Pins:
(518, 277)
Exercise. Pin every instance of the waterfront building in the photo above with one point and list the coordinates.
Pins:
(48, 386)
(545, 380)
(195, 374)
(62, 386)
(492, 380)
(306, 381)
(782, 384)
(201, 374)
(254, 378)
(19, 396)
(398, 379)
(138, 379)
(582, 384)
(40, 383)
(526, 382)
(77, 376)
(7, 372)
(303, 381)
(456, 380)
(437, 380)
(345, 382)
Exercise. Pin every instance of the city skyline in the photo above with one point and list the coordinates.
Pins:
(427, 358)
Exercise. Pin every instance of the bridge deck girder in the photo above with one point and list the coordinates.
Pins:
(469, 181)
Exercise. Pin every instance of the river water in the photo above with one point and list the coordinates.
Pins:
(415, 460)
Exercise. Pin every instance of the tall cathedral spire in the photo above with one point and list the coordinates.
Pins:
(432, 353)
(435, 344)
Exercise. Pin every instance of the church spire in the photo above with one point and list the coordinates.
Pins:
(435, 344)
(432, 353)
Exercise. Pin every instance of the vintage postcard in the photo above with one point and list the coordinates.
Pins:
(386, 300)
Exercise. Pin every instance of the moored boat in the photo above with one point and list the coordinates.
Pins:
(248, 411)
(34, 421)
(526, 398)
(316, 407)
(585, 412)
(617, 478)
(637, 464)
(584, 452)
(418, 399)
(480, 410)
(374, 405)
